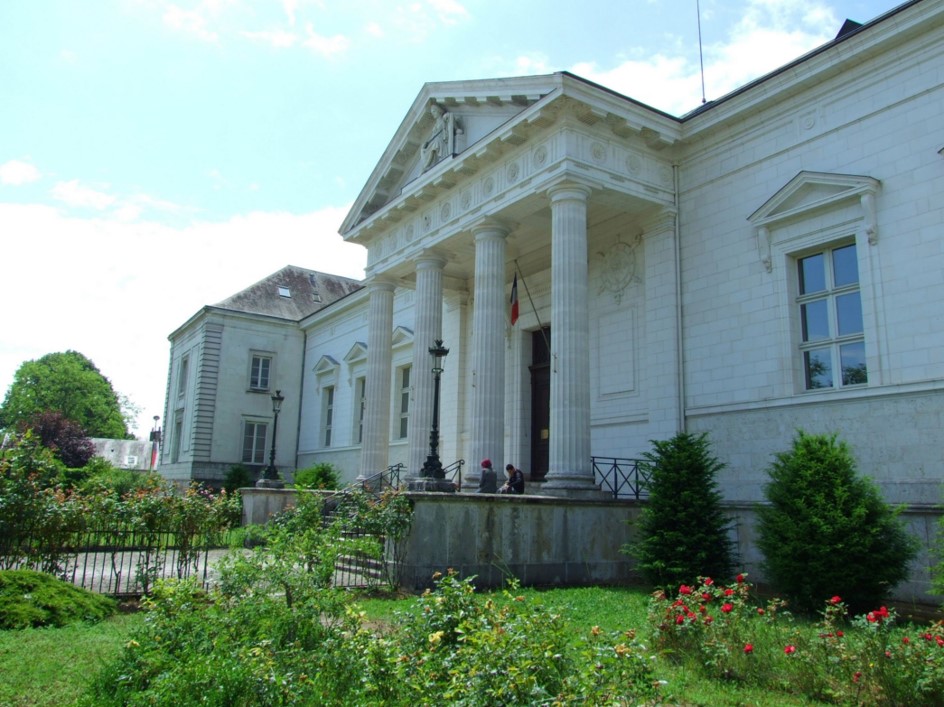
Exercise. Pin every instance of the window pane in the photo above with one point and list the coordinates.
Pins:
(406, 377)
(849, 314)
(248, 437)
(403, 427)
(819, 369)
(812, 274)
(258, 456)
(264, 374)
(852, 361)
(815, 320)
(845, 266)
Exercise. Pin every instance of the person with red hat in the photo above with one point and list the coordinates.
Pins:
(488, 483)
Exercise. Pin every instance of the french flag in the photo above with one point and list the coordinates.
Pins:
(514, 300)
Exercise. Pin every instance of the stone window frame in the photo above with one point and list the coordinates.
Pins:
(256, 452)
(813, 212)
(327, 371)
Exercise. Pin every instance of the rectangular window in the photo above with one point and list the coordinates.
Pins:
(404, 380)
(175, 442)
(328, 417)
(254, 438)
(360, 404)
(832, 339)
(259, 372)
(183, 372)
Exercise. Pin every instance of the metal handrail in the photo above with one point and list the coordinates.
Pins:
(453, 472)
(621, 476)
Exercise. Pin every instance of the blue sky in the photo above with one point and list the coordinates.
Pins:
(156, 156)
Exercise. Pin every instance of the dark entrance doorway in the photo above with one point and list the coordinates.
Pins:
(540, 402)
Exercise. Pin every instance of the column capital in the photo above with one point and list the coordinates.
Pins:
(428, 260)
(379, 284)
(569, 189)
(490, 227)
(661, 222)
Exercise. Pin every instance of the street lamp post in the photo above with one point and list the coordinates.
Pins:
(433, 477)
(270, 477)
(433, 467)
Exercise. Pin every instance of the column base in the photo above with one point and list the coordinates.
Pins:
(573, 487)
(426, 484)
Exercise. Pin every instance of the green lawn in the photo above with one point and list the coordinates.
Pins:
(51, 666)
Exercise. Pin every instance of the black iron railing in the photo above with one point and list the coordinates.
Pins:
(113, 561)
(453, 472)
(621, 477)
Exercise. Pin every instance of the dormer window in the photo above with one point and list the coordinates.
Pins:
(284, 291)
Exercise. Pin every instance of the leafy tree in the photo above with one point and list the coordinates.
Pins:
(67, 383)
(827, 531)
(62, 437)
(682, 531)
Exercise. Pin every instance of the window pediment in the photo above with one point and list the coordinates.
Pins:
(357, 354)
(401, 337)
(326, 365)
(811, 192)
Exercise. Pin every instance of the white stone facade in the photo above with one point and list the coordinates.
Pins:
(665, 256)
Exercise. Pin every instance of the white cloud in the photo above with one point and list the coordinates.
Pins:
(276, 38)
(17, 172)
(74, 194)
(374, 30)
(191, 22)
(326, 46)
(115, 290)
(449, 12)
(770, 34)
(529, 65)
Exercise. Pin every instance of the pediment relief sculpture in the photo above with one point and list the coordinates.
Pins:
(441, 142)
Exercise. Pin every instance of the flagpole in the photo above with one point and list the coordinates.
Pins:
(533, 308)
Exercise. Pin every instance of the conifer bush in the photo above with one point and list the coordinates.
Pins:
(827, 531)
(682, 533)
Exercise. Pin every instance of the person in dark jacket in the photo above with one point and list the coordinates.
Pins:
(488, 483)
(515, 482)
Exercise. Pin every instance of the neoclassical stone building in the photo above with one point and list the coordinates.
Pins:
(773, 260)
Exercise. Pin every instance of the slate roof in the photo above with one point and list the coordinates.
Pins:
(291, 293)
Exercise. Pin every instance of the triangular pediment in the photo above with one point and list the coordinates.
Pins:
(445, 120)
(357, 353)
(326, 365)
(401, 337)
(810, 191)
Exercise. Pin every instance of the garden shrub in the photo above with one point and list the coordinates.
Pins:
(457, 649)
(321, 476)
(827, 531)
(237, 477)
(31, 599)
(273, 632)
(724, 632)
(682, 532)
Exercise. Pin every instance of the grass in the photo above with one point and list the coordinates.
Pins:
(51, 666)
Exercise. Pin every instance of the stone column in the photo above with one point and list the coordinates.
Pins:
(570, 472)
(427, 327)
(374, 446)
(488, 351)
